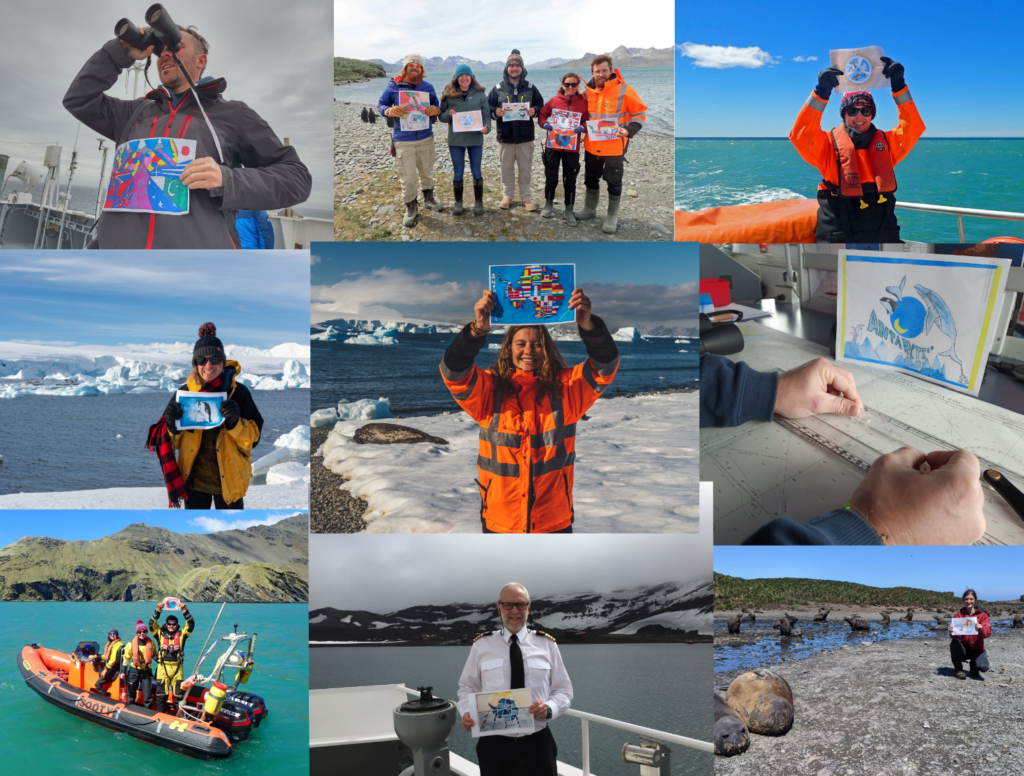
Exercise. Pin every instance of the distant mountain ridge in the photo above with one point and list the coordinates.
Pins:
(623, 56)
(262, 564)
(670, 608)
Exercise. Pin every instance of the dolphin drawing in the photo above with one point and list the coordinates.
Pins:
(939, 314)
(897, 292)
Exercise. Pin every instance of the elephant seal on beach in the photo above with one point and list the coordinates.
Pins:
(731, 735)
(763, 700)
(734, 624)
(391, 434)
(857, 624)
(822, 615)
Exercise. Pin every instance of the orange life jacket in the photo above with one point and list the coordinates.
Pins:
(170, 648)
(875, 160)
(146, 657)
(527, 444)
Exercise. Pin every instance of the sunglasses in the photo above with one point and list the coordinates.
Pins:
(204, 360)
(853, 110)
(521, 606)
(571, 84)
(113, 633)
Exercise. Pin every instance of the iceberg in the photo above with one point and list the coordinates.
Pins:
(327, 417)
(369, 339)
(365, 409)
(628, 334)
(296, 439)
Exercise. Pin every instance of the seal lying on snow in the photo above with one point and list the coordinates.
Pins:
(857, 624)
(763, 700)
(731, 735)
(391, 434)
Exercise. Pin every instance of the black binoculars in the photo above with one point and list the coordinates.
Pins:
(721, 338)
(162, 33)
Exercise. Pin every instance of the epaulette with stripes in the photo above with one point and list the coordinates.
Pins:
(485, 633)
(545, 635)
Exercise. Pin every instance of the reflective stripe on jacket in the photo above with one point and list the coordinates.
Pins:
(615, 101)
(528, 446)
(815, 145)
(234, 447)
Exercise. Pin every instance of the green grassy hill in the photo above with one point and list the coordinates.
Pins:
(348, 70)
(733, 593)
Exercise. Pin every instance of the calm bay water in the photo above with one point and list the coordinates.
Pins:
(654, 85)
(975, 173)
(408, 373)
(663, 686)
(36, 737)
(59, 443)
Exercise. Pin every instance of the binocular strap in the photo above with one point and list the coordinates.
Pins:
(192, 86)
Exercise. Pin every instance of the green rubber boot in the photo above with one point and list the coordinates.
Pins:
(570, 200)
(611, 221)
(549, 208)
(589, 205)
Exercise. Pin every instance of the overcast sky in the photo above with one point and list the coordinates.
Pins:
(275, 57)
(383, 574)
(489, 29)
(637, 284)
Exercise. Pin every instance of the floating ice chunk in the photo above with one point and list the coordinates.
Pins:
(327, 417)
(144, 389)
(682, 342)
(280, 455)
(288, 472)
(494, 346)
(296, 439)
(119, 436)
(628, 334)
(81, 390)
(388, 332)
(365, 409)
(369, 339)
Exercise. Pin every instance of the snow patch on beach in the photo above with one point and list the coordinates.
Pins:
(637, 464)
(292, 495)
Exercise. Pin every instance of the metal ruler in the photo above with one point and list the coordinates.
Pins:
(824, 444)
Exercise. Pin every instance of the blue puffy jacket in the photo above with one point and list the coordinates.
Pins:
(254, 229)
(390, 99)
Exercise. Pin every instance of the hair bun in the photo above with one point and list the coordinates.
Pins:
(207, 329)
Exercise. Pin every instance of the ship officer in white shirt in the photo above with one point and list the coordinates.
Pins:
(507, 659)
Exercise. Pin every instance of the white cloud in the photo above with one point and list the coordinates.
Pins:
(217, 524)
(723, 57)
(805, 59)
(313, 259)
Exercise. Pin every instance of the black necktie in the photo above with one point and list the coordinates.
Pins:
(516, 656)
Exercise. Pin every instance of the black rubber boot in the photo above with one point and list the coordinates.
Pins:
(478, 196)
(457, 195)
(570, 200)
(430, 203)
(412, 210)
(549, 208)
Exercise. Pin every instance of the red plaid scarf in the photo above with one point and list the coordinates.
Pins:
(159, 441)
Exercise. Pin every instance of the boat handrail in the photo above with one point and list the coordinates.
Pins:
(960, 212)
(585, 717)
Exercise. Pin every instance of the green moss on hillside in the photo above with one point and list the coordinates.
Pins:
(346, 70)
(733, 593)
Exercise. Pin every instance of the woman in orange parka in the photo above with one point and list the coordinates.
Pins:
(856, 198)
(527, 406)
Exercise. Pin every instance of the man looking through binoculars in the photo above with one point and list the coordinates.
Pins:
(245, 167)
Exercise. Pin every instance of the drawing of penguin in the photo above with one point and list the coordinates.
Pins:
(204, 411)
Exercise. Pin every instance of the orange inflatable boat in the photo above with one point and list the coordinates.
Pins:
(62, 678)
(778, 223)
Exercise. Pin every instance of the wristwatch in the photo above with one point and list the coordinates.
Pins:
(548, 709)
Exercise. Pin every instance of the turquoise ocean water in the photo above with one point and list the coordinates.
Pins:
(976, 173)
(37, 737)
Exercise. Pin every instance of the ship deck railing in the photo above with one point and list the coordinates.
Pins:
(960, 212)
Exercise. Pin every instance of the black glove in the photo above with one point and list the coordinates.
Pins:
(171, 414)
(894, 72)
(827, 81)
(230, 412)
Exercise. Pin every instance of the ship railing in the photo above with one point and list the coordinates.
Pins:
(586, 718)
(960, 212)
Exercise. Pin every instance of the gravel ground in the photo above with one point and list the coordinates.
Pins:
(331, 509)
(368, 206)
(894, 708)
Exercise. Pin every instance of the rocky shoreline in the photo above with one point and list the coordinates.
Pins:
(331, 509)
(894, 707)
(367, 193)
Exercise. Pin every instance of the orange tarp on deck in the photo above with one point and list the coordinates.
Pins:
(788, 221)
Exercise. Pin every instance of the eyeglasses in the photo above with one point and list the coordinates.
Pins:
(204, 360)
(113, 633)
(571, 84)
(853, 110)
(520, 605)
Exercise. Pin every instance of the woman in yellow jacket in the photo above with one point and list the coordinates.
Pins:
(527, 406)
(215, 463)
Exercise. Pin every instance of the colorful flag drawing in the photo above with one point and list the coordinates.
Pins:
(146, 177)
(532, 293)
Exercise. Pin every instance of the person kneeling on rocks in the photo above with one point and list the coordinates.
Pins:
(413, 149)
(970, 648)
(568, 99)
(462, 95)
(609, 99)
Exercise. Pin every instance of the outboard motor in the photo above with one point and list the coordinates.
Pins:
(424, 726)
(254, 704)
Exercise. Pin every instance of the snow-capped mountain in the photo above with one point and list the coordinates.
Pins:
(669, 608)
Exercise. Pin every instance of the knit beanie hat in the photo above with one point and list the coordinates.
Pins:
(140, 627)
(515, 58)
(463, 69)
(208, 344)
(410, 58)
(857, 98)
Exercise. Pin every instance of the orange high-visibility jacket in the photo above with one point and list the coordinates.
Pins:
(815, 145)
(527, 447)
(615, 101)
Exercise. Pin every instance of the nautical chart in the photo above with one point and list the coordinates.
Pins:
(807, 467)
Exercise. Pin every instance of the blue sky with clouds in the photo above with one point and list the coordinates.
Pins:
(995, 572)
(256, 298)
(75, 525)
(741, 75)
(630, 284)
